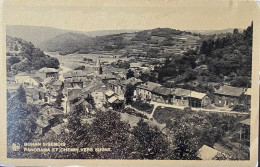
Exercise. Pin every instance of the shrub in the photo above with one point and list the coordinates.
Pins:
(240, 108)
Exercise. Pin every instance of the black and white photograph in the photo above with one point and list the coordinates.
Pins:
(129, 81)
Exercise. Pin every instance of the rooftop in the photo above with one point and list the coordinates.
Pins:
(181, 92)
(47, 70)
(23, 74)
(207, 153)
(73, 80)
(112, 99)
(249, 92)
(197, 95)
(109, 93)
(47, 81)
(135, 65)
(150, 86)
(230, 91)
(246, 122)
(162, 90)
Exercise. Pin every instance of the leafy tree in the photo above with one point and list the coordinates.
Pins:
(130, 74)
(108, 131)
(59, 99)
(12, 60)
(184, 142)
(90, 100)
(129, 93)
(21, 94)
(149, 142)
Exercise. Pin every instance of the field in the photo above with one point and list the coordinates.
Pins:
(75, 59)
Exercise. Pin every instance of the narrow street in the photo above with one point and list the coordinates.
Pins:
(217, 110)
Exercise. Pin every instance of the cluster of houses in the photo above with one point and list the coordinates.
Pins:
(225, 96)
(107, 89)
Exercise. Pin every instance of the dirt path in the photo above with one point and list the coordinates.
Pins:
(218, 110)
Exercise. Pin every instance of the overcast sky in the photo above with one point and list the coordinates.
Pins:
(131, 14)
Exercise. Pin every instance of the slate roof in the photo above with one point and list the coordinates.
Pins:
(207, 153)
(181, 92)
(249, 92)
(47, 70)
(150, 86)
(230, 91)
(112, 99)
(197, 95)
(74, 80)
(162, 90)
(246, 122)
(109, 93)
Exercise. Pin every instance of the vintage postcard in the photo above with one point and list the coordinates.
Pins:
(137, 83)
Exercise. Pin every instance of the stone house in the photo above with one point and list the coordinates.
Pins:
(228, 96)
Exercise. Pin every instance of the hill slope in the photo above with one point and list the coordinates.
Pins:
(67, 43)
(153, 43)
(22, 56)
(40, 34)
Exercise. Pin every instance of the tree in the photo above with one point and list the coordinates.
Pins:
(12, 60)
(235, 31)
(59, 99)
(129, 93)
(108, 131)
(90, 100)
(130, 74)
(185, 143)
(149, 142)
(21, 94)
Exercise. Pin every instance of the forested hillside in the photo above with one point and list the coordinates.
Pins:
(220, 59)
(155, 42)
(67, 43)
(22, 56)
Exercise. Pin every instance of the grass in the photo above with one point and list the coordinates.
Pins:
(162, 115)
(148, 108)
(133, 112)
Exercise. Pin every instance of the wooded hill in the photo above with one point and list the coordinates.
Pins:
(22, 56)
(220, 59)
(150, 41)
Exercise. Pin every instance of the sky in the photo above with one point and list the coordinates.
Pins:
(86, 15)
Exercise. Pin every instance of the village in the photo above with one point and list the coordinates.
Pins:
(98, 85)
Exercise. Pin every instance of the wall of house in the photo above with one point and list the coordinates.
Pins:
(225, 101)
(144, 94)
(206, 101)
(181, 101)
(51, 74)
(160, 98)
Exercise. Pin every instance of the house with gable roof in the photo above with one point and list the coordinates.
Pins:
(228, 96)
(144, 91)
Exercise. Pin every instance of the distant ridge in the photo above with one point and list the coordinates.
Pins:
(211, 32)
(39, 34)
